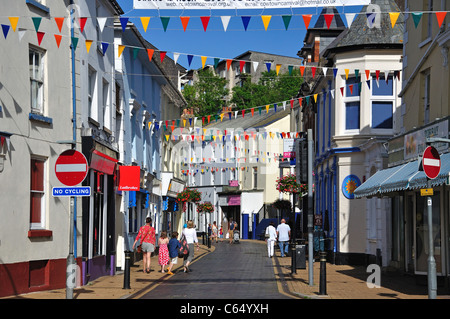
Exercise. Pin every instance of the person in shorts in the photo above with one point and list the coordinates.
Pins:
(147, 238)
(173, 246)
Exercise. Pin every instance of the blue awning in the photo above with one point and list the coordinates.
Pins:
(402, 177)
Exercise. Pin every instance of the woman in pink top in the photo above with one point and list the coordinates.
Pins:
(147, 236)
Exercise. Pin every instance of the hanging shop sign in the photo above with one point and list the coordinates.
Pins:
(242, 4)
(129, 178)
(349, 184)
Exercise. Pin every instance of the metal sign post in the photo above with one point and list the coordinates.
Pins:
(310, 208)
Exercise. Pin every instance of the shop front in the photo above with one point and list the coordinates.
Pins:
(405, 184)
(171, 217)
(98, 217)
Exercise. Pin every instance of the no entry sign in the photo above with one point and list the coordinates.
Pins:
(71, 167)
(431, 162)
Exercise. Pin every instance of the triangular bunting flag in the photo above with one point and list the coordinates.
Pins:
(175, 57)
(349, 17)
(58, 38)
(335, 72)
(290, 69)
(367, 74)
(440, 17)
(190, 57)
(394, 16)
(346, 73)
(267, 108)
(302, 70)
(268, 65)
(368, 83)
(150, 53)
(184, 22)
(204, 58)
(416, 18)
(82, 22)
(144, 22)
(216, 62)
(120, 49)
(328, 19)
(342, 91)
(162, 55)
(315, 97)
(123, 23)
(101, 23)
(306, 19)
(278, 67)
(229, 63)
(255, 65)
(241, 65)
(14, 21)
(245, 21)
(59, 22)
(5, 29)
(266, 21)
(88, 45)
(205, 21)
(36, 22)
(105, 46)
(253, 111)
(165, 22)
(286, 21)
(74, 42)
(40, 36)
(225, 21)
(313, 71)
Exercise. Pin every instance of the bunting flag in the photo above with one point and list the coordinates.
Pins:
(175, 57)
(74, 42)
(245, 21)
(165, 22)
(302, 70)
(278, 67)
(394, 16)
(204, 58)
(145, 21)
(286, 21)
(241, 65)
(229, 63)
(184, 22)
(5, 29)
(14, 21)
(58, 39)
(306, 20)
(328, 19)
(150, 54)
(40, 36)
(88, 45)
(205, 22)
(105, 46)
(371, 19)
(120, 49)
(82, 22)
(189, 58)
(123, 23)
(417, 16)
(36, 22)
(440, 17)
(162, 55)
(349, 17)
(225, 21)
(101, 23)
(266, 21)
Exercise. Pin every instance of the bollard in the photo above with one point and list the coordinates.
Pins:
(293, 258)
(126, 274)
(323, 273)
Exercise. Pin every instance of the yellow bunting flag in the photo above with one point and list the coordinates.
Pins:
(394, 17)
(346, 73)
(315, 97)
(204, 58)
(266, 21)
(278, 66)
(145, 21)
(121, 48)
(221, 117)
(267, 108)
(13, 21)
(88, 45)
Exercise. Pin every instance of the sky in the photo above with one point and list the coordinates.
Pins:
(215, 42)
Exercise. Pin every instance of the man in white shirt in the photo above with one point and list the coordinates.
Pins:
(284, 234)
(271, 237)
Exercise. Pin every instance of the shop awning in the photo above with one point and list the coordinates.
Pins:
(402, 177)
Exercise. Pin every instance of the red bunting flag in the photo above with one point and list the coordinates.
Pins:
(440, 17)
(292, 104)
(229, 63)
(313, 70)
(205, 21)
(241, 65)
(307, 19)
(162, 55)
(243, 112)
(367, 74)
(40, 36)
(302, 70)
(342, 91)
(328, 19)
(82, 22)
(253, 111)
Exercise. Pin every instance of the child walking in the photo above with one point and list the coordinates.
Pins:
(163, 257)
(174, 246)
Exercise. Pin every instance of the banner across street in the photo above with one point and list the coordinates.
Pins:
(242, 4)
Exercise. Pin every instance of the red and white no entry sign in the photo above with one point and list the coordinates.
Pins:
(431, 162)
(71, 167)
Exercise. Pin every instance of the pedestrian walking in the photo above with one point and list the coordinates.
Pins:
(231, 230)
(271, 237)
(191, 238)
(163, 256)
(214, 232)
(173, 247)
(221, 233)
(146, 235)
(284, 234)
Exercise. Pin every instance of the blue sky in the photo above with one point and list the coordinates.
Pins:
(215, 42)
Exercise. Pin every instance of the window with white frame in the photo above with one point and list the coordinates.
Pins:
(36, 63)
(92, 82)
(106, 105)
(382, 102)
(37, 193)
(352, 104)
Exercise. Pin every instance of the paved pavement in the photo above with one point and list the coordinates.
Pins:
(343, 282)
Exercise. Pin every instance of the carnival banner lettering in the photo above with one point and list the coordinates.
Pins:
(242, 4)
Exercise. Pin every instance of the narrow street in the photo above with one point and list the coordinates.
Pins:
(237, 271)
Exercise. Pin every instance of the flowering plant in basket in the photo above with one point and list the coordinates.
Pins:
(188, 195)
(288, 184)
(205, 207)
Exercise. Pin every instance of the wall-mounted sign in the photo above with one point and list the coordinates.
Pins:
(349, 184)
(129, 178)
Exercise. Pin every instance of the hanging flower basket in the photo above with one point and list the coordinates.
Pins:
(288, 184)
(205, 207)
(188, 195)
